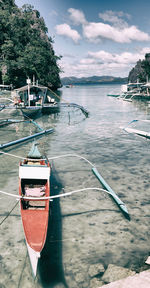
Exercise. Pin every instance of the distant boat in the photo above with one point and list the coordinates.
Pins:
(137, 91)
(143, 93)
(5, 88)
(113, 95)
(69, 86)
(33, 99)
(34, 183)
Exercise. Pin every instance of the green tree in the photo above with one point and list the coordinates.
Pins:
(26, 49)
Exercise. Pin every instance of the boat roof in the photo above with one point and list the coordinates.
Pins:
(34, 172)
(136, 83)
(24, 88)
(146, 85)
(5, 86)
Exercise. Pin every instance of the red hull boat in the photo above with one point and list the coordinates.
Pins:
(34, 183)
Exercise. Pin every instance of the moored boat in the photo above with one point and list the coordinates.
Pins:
(33, 99)
(30, 111)
(34, 183)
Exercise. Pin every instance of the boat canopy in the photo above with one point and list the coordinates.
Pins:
(34, 172)
(24, 88)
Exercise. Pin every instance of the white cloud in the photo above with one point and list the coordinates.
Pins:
(145, 50)
(65, 30)
(85, 70)
(115, 18)
(117, 31)
(101, 55)
(87, 61)
(123, 58)
(77, 16)
(98, 31)
(104, 63)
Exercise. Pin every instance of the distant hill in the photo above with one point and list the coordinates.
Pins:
(93, 80)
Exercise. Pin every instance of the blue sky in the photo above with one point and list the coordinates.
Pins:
(96, 37)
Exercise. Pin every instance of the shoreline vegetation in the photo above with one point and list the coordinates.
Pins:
(26, 49)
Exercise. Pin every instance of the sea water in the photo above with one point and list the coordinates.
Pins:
(85, 228)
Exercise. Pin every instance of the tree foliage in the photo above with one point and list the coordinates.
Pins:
(146, 67)
(141, 71)
(25, 48)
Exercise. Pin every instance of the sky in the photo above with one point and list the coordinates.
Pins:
(96, 37)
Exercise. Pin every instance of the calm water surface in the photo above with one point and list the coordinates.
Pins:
(86, 228)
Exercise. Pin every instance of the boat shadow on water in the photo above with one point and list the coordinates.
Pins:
(50, 266)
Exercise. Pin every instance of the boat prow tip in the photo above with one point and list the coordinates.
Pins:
(34, 257)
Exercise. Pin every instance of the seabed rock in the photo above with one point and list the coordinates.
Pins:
(95, 282)
(141, 280)
(114, 273)
(96, 269)
(79, 277)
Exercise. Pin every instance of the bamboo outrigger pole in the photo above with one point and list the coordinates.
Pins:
(48, 131)
(121, 205)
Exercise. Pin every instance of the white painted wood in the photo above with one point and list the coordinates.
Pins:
(26, 172)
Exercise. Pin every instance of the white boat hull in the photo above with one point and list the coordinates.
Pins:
(138, 132)
(34, 257)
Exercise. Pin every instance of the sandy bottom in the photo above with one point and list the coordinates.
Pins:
(86, 228)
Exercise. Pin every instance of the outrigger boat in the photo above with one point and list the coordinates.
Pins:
(34, 183)
(33, 99)
(34, 196)
(137, 131)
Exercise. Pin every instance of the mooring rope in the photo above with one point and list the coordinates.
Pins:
(9, 213)
(5, 98)
(12, 155)
(24, 265)
(71, 104)
(58, 96)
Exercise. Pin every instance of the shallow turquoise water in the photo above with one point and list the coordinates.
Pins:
(85, 228)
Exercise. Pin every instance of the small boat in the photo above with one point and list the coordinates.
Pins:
(5, 88)
(113, 95)
(31, 111)
(69, 86)
(33, 99)
(138, 132)
(34, 183)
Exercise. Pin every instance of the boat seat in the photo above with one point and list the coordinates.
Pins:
(32, 205)
(34, 163)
